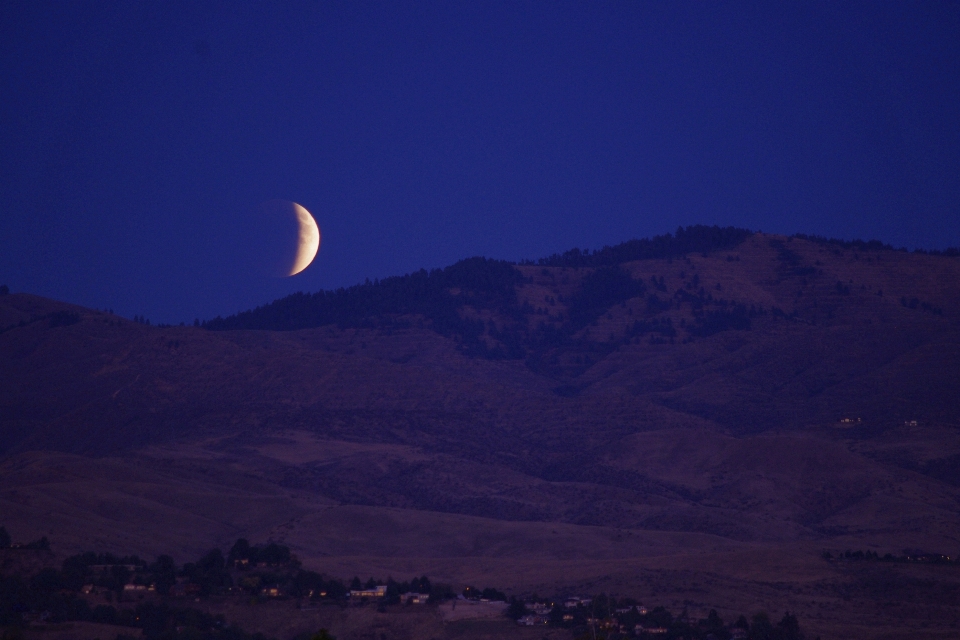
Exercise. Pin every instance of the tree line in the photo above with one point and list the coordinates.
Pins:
(57, 594)
(440, 295)
(907, 556)
(874, 245)
(603, 616)
(693, 239)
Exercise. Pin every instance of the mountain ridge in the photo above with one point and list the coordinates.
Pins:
(489, 276)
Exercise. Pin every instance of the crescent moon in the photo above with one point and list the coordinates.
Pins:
(309, 240)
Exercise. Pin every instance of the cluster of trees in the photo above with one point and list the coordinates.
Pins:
(440, 296)
(209, 574)
(242, 552)
(63, 318)
(915, 303)
(56, 593)
(761, 627)
(487, 593)
(908, 556)
(436, 294)
(735, 317)
(6, 542)
(861, 245)
(158, 621)
(44, 592)
(692, 239)
(549, 347)
(254, 567)
(608, 286)
(246, 567)
(660, 326)
(791, 264)
(110, 572)
(874, 245)
(627, 612)
(395, 589)
(605, 287)
(949, 252)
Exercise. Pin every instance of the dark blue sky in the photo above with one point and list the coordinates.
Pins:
(136, 137)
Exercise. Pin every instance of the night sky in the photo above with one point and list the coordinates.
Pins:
(137, 137)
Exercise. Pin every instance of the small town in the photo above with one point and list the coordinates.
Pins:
(166, 600)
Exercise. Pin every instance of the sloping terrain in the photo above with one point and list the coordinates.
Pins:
(643, 409)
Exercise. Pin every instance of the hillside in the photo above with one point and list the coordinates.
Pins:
(663, 408)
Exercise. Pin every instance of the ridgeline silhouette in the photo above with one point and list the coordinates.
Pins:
(483, 284)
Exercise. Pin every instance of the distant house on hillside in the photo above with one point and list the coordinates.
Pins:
(415, 598)
(129, 588)
(574, 602)
(376, 592)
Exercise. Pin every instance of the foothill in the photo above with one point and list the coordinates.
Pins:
(161, 600)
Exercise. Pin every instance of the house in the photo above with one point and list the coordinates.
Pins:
(376, 592)
(271, 592)
(574, 602)
(531, 620)
(415, 598)
(641, 629)
(142, 588)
